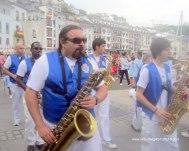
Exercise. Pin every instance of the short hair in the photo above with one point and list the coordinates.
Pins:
(139, 53)
(32, 45)
(158, 45)
(98, 42)
(123, 53)
(63, 34)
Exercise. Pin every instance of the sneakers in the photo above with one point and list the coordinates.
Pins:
(109, 144)
(10, 96)
(185, 134)
(137, 130)
(16, 124)
(31, 148)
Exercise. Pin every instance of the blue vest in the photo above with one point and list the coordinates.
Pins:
(154, 88)
(29, 65)
(101, 63)
(55, 102)
(15, 61)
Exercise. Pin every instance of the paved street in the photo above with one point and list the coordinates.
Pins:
(12, 138)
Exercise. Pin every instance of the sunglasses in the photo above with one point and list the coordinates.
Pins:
(77, 40)
(38, 48)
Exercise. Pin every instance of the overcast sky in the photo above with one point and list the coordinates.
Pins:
(139, 12)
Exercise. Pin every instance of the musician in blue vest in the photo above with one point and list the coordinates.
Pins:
(102, 109)
(10, 69)
(60, 74)
(154, 89)
(32, 138)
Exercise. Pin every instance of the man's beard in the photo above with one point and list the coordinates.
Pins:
(77, 53)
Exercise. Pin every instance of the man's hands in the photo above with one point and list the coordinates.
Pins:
(89, 102)
(46, 134)
(162, 114)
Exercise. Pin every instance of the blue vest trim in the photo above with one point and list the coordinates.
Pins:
(29, 65)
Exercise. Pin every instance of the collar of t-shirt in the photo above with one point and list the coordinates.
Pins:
(71, 63)
(97, 58)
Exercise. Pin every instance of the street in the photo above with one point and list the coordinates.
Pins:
(12, 137)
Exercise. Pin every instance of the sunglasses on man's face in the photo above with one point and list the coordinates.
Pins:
(38, 48)
(77, 40)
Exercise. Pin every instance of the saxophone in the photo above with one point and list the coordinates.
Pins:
(109, 79)
(76, 122)
(179, 103)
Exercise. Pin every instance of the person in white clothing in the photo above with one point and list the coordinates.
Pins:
(137, 117)
(124, 68)
(154, 89)
(10, 69)
(60, 74)
(32, 138)
(102, 109)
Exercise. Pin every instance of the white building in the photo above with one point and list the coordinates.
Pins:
(6, 38)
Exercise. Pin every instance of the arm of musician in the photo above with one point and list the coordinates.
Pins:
(101, 93)
(32, 103)
(6, 67)
(21, 72)
(20, 82)
(7, 72)
(142, 99)
(90, 101)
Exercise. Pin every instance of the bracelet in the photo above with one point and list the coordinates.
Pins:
(97, 99)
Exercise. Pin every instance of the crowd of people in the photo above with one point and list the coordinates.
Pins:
(45, 84)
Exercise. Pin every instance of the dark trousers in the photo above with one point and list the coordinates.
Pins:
(122, 72)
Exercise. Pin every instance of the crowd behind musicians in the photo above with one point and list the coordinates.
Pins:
(128, 64)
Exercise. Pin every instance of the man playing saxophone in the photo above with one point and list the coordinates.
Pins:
(102, 109)
(60, 74)
(154, 89)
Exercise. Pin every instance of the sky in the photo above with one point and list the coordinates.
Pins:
(139, 12)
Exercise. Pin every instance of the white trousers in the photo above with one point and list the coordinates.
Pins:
(17, 102)
(31, 135)
(102, 111)
(92, 144)
(154, 140)
(137, 116)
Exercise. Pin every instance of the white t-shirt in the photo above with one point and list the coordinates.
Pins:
(40, 72)
(7, 63)
(96, 60)
(22, 68)
(144, 80)
(124, 63)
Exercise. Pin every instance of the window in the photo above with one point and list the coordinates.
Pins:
(49, 22)
(49, 42)
(23, 16)
(4, 11)
(0, 27)
(7, 28)
(17, 15)
(49, 32)
(34, 33)
(7, 41)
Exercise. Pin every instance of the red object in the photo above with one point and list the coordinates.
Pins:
(114, 69)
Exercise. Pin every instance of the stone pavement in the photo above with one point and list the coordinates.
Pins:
(12, 138)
